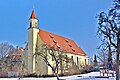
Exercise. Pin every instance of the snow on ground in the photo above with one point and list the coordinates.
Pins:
(89, 76)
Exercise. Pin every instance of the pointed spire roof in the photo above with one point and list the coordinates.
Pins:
(33, 15)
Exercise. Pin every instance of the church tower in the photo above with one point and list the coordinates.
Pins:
(32, 39)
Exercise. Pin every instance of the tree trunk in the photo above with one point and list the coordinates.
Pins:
(117, 56)
(117, 67)
(56, 74)
(61, 67)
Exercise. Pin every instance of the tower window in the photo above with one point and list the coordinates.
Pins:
(51, 36)
(30, 24)
(35, 24)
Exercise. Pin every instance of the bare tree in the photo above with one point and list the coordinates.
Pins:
(47, 52)
(5, 48)
(102, 56)
(109, 30)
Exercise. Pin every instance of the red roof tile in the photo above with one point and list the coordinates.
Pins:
(16, 54)
(33, 15)
(60, 43)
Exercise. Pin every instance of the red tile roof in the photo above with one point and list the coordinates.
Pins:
(16, 54)
(33, 15)
(60, 43)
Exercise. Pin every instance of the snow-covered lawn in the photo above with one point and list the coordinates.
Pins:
(89, 76)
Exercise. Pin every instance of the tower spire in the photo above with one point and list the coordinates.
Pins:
(33, 20)
(33, 15)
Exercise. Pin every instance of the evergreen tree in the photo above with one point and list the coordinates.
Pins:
(95, 60)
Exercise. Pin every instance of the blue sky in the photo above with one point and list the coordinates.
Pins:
(74, 19)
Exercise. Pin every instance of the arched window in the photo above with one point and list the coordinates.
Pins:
(85, 61)
(72, 60)
(77, 61)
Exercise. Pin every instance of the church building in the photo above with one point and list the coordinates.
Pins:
(37, 36)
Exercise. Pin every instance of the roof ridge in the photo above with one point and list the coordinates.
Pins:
(57, 35)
